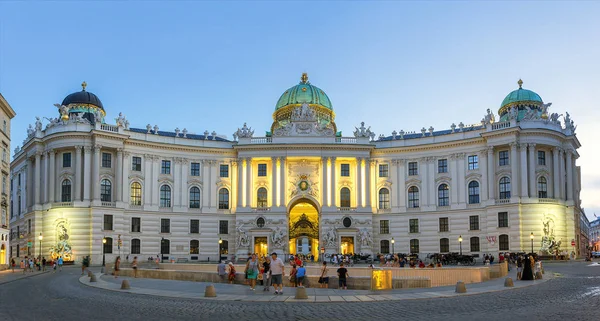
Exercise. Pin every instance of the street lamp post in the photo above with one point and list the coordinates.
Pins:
(41, 237)
(103, 254)
(219, 250)
(531, 237)
(460, 243)
(393, 252)
(162, 241)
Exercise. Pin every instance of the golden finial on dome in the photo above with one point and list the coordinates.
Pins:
(304, 78)
(83, 85)
(520, 83)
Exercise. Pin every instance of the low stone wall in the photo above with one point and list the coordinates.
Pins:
(498, 270)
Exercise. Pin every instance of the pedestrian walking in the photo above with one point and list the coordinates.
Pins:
(60, 263)
(134, 266)
(266, 274)
(12, 264)
(222, 270)
(43, 264)
(300, 274)
(231, 273)
(252, 271)
(342, 275)
(84, 264)
(324, 279)
(117, 266)
(31, 265)
(277, 273)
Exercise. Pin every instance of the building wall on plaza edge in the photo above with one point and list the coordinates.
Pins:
(6, 114)
(302, 188)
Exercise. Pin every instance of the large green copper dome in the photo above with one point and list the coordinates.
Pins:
(521, 96)
(304, 92)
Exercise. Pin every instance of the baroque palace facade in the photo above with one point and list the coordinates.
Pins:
(303, 188)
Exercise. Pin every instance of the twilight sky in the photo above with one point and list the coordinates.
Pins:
(215, 65)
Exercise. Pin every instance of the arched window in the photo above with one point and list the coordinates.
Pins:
(105, 191)
(414, 246)
(194, 197)
(384, 198)
(443, 195)
(165, 196)
(224, 247)
(503, 243)
(444, 245)
(542, 187)
(108, 246)
(261, 198)
(136, 194)
(223, 199)
(413, 197)
(345, 197)
(474, 244)
(66, 191)
(136, 246)
(504, 188)
(194, 247)
(473, 192)
(385, 246)
(165, 246)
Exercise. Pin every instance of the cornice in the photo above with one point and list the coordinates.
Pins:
(160, 146)
(435, 146)
(336, 147)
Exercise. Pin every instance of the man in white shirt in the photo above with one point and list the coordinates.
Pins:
(277, 273)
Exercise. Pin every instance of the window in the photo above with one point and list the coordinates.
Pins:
(195, 226)
(165, 225)
(473, 223)
(106, 160)
(474, 244)
(473, 192)
(442, 166)
(443, 195)
(413, 225)
(473, 162)
(444, 245)
(503, 219)
(505, 188)
(223, 227)
(165, 167)
(108, 246)
(345, 170)
(194, 247)
(195, 169)
(443, 222)
(136, 194)
(194, 197)
(414, 246)
(261, 197)
(165, 196)
(503, 242)
(136, 164)
(106, 191)
(260, 222)
(383, 170)
(136, 246)
(345, 197)
(385, 246)
(108, 222)
(65, 191)
(224, 247)
(413, 169)
(66, 159)
(165, 246)
(136, 224)
(4, 129)
(347, 222)
(223, 199)
(541, 158)
(384, 199)
(503, 158)
(262, 170)
(413, 197)
(224, 171)
(384, 227)
(542, 187)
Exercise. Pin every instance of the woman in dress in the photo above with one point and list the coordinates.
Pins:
(252, 271)
(117, 266)
(231, 273)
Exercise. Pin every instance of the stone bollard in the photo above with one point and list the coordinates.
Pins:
(125, 285)
(210, 291)
(538, 275)
(90, 274)
(93, 278)
(102, 270)
(460, 287)
(508, 283)
(301, 293)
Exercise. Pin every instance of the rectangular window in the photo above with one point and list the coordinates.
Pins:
(136, 164)
(195, 226)
(108, 222)
(136, 246)
(444, 245)
(224, 170)
(443, 224)
(541, 158)
(474, 244)
(345, 170)
(503, 219)
(195, 169)
(165, 167)
(442, 166)
(473, 162)
(108, 246)
(106, 160)
(136, 224)
(413, 225)
(503, 158)
(413, 169)
(223, 227)
(503, 242)
(165, 225)
(262, 170)
(66, 159)
(385, 246)
(414, 246)
(384, 227)
(474, 223)
(383, 170)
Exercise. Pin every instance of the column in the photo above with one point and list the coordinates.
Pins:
(453, 180)
(125, 179)
(333, 182)
(367, 186)
(249, 182)
(514, 183)
(424, 195)
(524, 188)
(274, 173)
(462, 177)
(569, 174)
(96, 173)
(240, 182)
(358, 182)
(325, 184)
(561, 173)
(212, 175)
(38, 177)
(183, 179)
(87, 168)
(177, 190)
(46, 182)
(401, 183)
(205, 182)
(491, 173)
(119, 182)
(147, 196)
(532, 167)
(483, 192)
(77, 189)
(283, 182)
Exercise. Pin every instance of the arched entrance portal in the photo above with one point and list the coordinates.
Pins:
(304, 228)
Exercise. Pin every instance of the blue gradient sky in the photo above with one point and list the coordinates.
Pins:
(215, 65)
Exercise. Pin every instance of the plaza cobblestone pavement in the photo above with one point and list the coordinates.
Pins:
(573, 295)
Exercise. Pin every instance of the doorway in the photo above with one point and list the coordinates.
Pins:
(304, 229)
(261, 246)
(347, 245)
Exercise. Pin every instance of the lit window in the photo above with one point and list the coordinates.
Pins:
(345, 197)
(261, 197)
(136, 193)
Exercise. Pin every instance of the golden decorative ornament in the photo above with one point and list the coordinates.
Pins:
(83, 85)
(304, 78)
(303, 88)
(520, 83)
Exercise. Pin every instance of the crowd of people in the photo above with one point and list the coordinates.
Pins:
(30, 264)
